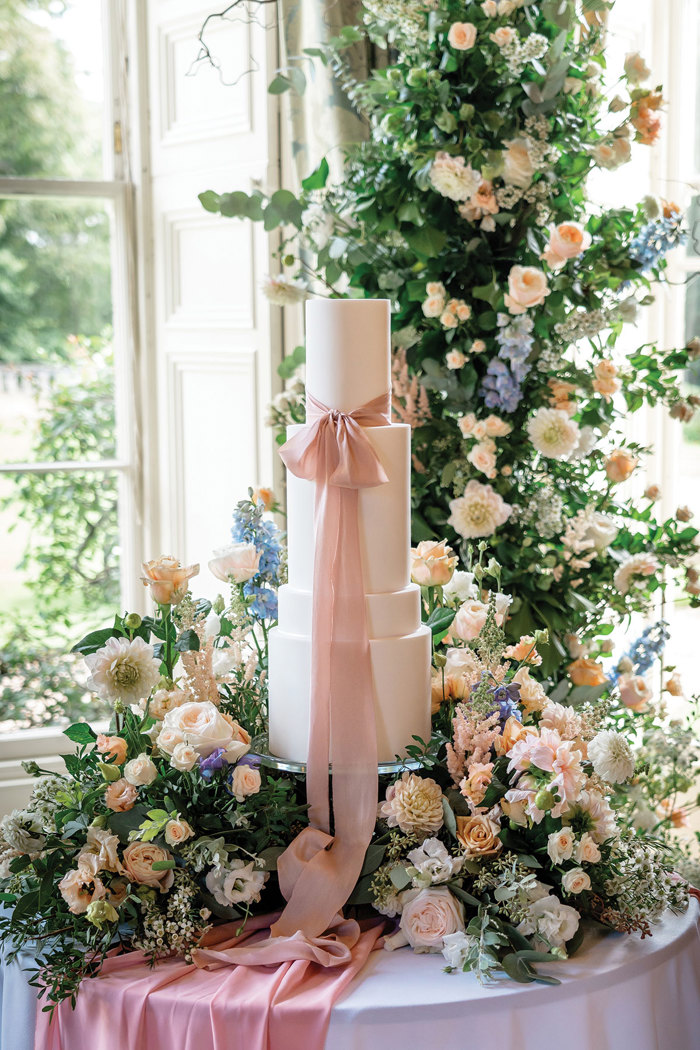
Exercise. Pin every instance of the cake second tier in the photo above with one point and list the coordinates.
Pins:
(383, 517)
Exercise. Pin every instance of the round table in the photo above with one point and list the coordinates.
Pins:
(617, 993)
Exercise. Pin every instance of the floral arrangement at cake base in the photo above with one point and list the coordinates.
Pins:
(492, 852)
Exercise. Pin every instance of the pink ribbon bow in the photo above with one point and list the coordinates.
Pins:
(333, 451)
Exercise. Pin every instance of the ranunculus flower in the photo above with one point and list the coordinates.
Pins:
(432, 563)
(620, 464)
(429, 916)
(527, 287)
(566, 241)
(238, 562)
(462, 36)
(113, 747)
(518, 168)
(140, 771)
(245, 780)
(139, 858)
(177, 831)
(478, 835)
(120, 796)
(168, 579)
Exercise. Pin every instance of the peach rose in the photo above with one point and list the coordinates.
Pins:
(497, 427)
(112, 747)
(448, 319)
(575, 881)
(636, 69)
(606, 387)
(177, 831)
(566, 241)
(429, 916)
(238, 562)
(167, 579)
(483, 457)
(634, 691)
(652, 492)
(503, 36)
(432, 563)
(120, 796)
(245, 781)
(455, 359)
(524, 651)
(532, 696)
(518, 168)
(462, 36)
(527, 287)
(585, 671)
(620, 464)
(478, 835)
(513, 731)
(470, 618)
(674, 685)
(474, 785)
(439, 692)
(139, 858)
(433, 306)
(79, 888)
(265, 496)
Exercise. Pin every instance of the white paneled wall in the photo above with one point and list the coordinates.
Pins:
(216, 339)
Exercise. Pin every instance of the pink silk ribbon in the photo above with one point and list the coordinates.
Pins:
(334, 452)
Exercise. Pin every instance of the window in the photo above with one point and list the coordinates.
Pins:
(68, 452)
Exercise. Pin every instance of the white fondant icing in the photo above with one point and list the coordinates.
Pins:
(347, 351)
(389, 615)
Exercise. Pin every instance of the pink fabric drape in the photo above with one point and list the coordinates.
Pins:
(334, 452)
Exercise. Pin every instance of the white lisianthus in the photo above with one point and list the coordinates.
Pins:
(430, 863)
(575, 881)
(461, 587)
(284, 291)
(554, 922)
(123, 670)
(553, 433)
(611, 756)
(456, 947)
(236, 883)
(560, 845)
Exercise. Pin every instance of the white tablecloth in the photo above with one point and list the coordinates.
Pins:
(617, 993)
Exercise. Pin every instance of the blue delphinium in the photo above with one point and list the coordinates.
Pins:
(501, 385)
(645, 650)
(249, 526)
(499, 388)
(506, 698)
(655, 239)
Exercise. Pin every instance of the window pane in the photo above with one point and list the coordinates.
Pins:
(56, 374)
(51, 88)
(59, 575)
(693, 220)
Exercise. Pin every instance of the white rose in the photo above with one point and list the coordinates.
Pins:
(168, 739)
(212, 626)
(461, 586)
(518, 168)
(470, 618)
(184, 757)
(586, 850)
(433, 306)
(560, 845)
(429, 917)
(575, 881)
(140, 771)
(503, 36)
(238, 562)
(202, 725)
(527, 287)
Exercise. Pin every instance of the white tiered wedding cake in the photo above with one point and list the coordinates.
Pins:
(348, 364)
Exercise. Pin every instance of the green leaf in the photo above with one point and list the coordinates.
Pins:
(440, 619)
(449, 818)
(426, 240)
(464, 896)
(270, 856)
(317, 179)
(373, 858)
(80, 733)
(163, 865)
(400, 878)
(187, 642)
(279, 84)
(95, 640)
(517, 969)
(209, 200)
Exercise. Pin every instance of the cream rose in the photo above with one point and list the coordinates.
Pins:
(177, 831)
(586, 850)
(620, 464)
(139, 858)
(167, 579)
(245, 781)
(482, 456)
(184, 757)
(205, 728)
(168, 739)
(470, 618)
(634, 691)
(575, 881)
(527, 287)
(429, 916)
(560, 845)
(432, 563)
(503, 36)
(120, 796)
(433, 306)
(462, 36)
(518, 168)
(566, 241)
(140, 771)
(478, 835)
(238, 562)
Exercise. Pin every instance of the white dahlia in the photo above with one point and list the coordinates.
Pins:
(637, 565)
(123, 670)
(453, 177)
(478, 512)
(611, 756)
(553, 433)
(284, 291)
(414, 804)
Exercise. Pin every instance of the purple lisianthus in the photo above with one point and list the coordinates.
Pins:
(209, 765)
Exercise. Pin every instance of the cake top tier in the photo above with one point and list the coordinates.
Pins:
(348, 354)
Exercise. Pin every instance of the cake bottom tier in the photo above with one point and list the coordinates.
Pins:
(401, 670)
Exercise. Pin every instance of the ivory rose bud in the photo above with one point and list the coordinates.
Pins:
(120, 796)
(503, 36)
(455, 360)
(139, 858)
(527, 287)
(183, 757)
(490, 8)
(652, 492)
(585, 671)
(245, 781)
(478, 835)
(429, 916)
(462, 36)
(575, 881)
(634, 691)
(470, 618)
(483, 457)
(167, 579)
(560, 845)
(140, 771)
(112, 747)
(79, 888)
(620, 464)
(177, 831)
(586, 850)
(448, 319)
(518, 168)
(436, 288)
(432, 563)
(566, 241)
(238, 562)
